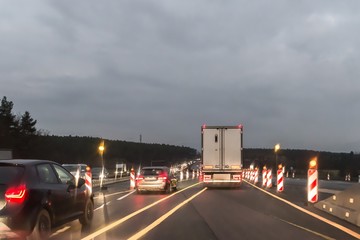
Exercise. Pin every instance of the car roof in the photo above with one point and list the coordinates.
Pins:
(26, 161)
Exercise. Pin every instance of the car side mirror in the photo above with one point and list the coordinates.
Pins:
(81, 182)
(71, 185)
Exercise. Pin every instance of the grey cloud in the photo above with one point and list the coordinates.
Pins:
(287, 70)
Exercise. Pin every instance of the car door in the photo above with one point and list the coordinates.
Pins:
(55, 192)
(76, 195)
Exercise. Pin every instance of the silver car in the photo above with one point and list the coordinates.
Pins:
(156, 179)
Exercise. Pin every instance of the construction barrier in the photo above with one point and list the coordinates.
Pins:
(312, 185)
(269, 178)
(132, 179)
(280, 181)
(88, 180)
(256, 176)
(264, 175)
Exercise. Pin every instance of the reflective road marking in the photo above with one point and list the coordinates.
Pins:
(124, 219)
(120, 198)
(162, 218)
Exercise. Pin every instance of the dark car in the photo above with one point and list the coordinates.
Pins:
(36, 195)
(156, 179)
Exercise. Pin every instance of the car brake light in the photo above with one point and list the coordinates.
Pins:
(139, 178)
(16, 194)
(162, 177)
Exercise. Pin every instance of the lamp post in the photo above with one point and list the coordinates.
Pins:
(276, 149)
(101, 151)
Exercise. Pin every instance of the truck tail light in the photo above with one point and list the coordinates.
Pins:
(16, 194)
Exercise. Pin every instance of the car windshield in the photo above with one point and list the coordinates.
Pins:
(10, 173)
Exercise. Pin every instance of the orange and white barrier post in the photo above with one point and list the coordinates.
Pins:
(252, 177)
(280, 180)
(264, 175)
(312, 182)
(88, 179)
(132, 178)
(269, 178)
(256, 177)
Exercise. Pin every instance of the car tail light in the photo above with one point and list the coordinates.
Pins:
(162, 176)
(16, 194)
(139, 178)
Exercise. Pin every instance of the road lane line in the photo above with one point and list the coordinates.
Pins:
(308, 230)
(63, 229)
(112, 194)
(120, 198)
(102, 206)
(334, 224)
(118, 222)
(165, 216)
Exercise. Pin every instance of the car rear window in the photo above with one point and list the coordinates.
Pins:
(10, 173)
(152, 171)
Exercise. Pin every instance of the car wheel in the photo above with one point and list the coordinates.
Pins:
(88, 214)
(42, 227)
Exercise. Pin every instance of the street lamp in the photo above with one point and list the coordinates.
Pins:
(101, 151)
(276, 149)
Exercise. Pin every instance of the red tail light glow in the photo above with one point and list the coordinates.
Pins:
(162, 176)
(139, 178)
(16, 194)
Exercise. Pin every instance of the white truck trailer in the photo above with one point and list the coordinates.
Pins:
(222, 153)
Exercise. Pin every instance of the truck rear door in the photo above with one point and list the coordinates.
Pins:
(212, 148)
(231, 148)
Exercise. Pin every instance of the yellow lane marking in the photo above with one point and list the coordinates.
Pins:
(118, 222)
(162, 218)
(308, 230)
(336, 225)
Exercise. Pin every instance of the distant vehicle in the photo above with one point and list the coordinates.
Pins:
(121, 170)
(222, 148)
(97, 173)
(36, 195)
(156, 179)
(77, 170)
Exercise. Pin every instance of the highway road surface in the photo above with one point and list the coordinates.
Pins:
(198, 212)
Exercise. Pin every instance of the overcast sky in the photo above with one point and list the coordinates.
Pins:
(289, 71)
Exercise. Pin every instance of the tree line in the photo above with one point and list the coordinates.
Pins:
(19, 133)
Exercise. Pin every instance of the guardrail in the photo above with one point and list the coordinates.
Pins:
(107, 181)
